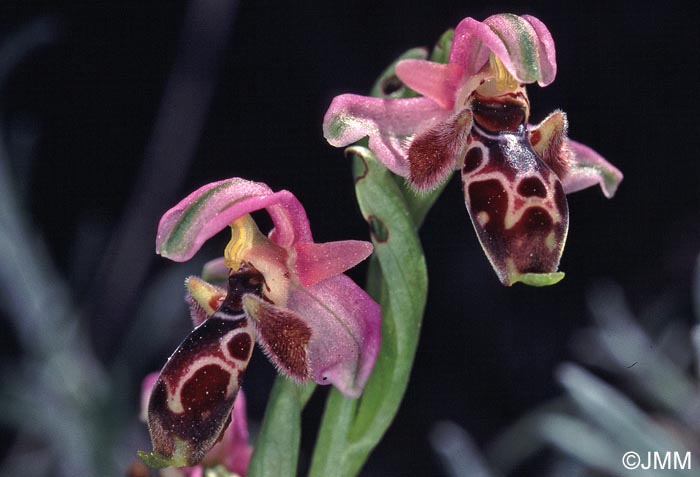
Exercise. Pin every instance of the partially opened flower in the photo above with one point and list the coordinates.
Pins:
(473, 115)
(283, 290)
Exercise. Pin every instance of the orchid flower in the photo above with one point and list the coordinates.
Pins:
(473, 115)
(283, 290)
(233, 451)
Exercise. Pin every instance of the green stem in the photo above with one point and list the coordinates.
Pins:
(397, 280)
(280, 434)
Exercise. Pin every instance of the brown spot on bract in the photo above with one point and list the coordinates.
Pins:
(473, 159)
(378, 230)
(532, 187)
(391, 84)
(358, 173)
(239, 346)
(205, 390)
(535, 137)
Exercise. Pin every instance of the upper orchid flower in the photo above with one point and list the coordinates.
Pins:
(284, 290)
(473, 116)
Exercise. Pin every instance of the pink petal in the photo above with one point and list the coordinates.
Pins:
(436, 81)
(236, 441)
(318, 261)
(205, 212)
(589, 168)
(523, 44)
(196, 471)
(146, 387)
(389, 123)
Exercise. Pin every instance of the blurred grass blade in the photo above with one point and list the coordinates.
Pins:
(614, 413)
(584, 443)
(457, 451)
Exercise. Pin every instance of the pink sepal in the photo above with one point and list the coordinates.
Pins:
(587, 169)
(208, 210)
(389, 123)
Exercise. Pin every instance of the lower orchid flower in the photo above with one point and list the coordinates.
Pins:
(283, 290)
(473, 115)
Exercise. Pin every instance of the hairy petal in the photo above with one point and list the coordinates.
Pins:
(202, 214)
(523, 44)
(329, 332)
(435, 153)
(436, 81)
(549, 140)
(589, 168)
(283, 335)
(318, 261)
(387, 122)
(204, 299)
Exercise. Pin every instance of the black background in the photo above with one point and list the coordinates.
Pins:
(627, 77)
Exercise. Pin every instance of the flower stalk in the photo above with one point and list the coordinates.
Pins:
(398, 281)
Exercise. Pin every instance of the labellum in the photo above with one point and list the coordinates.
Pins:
(191, 401)
(515, 200)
